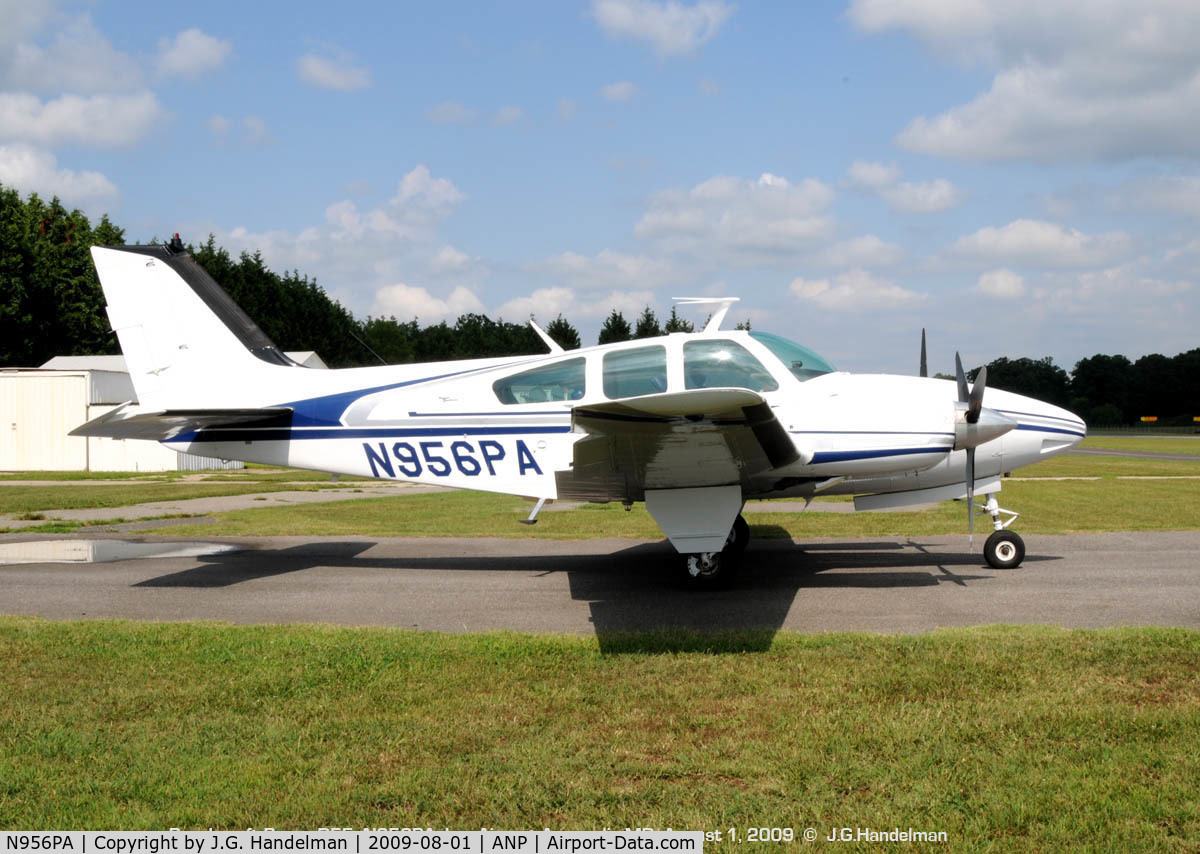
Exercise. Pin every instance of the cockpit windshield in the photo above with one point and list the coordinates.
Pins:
(801, 361)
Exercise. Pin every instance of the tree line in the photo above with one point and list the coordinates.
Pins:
(51, 304)
(1109, 390)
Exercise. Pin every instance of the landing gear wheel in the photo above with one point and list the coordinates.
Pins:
(707, 570)
(1004, 550)
(739, 537)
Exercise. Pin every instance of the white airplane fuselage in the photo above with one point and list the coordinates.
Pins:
(440, 423)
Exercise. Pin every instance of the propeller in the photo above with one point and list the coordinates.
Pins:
(924, 362)
(973, 398)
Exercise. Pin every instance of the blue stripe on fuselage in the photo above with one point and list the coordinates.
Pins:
(846, 456)
(326, 411)
(1039, 429)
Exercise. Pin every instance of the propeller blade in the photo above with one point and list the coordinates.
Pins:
(975, 401)
(964, 394)
(924, 362)
(971, 498)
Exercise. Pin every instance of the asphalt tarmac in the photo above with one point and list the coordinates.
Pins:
(605, 587)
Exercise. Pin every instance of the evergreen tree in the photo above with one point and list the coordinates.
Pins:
(50, 298)
(615, 328)
(675, 323)
(647, 325)
(564, 333)
(394, 342)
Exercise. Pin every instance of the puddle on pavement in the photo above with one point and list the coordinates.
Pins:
(102, 551)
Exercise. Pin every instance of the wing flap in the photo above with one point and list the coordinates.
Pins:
(128, 421)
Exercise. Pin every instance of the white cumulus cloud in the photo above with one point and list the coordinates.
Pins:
(904, 196)
(854, 290)
(1102, 80)
(744, 222)
(32, 171)
(1001, 284)
(104, 119)
(191, 53)
(410, 301)
(865, 175)
(333, 72)
(79, 60)
(354, 251)
(1038, 243)
(671, 28)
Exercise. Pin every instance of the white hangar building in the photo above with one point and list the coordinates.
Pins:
(40, 406)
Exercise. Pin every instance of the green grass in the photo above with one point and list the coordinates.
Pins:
(70, 526)
(30, 499)
(1131, 443)
(1034, 739)
(92, 475)
(1047, 507)
(1084, 466)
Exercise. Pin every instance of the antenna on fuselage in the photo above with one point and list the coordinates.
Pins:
(722, 308)
(555, 347)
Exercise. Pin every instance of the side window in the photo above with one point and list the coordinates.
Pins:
(632, 373)
(724, 364)
(560, 381)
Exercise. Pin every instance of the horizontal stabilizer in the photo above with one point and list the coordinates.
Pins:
(700, 403)
(128, 421)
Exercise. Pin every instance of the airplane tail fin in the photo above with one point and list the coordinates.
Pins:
(186, 342)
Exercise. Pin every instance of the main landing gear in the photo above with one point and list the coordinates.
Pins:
(1004, 549)
(713, 570)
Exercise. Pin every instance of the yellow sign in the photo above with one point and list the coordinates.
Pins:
(1149, 417)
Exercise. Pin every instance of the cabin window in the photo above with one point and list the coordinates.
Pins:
(801, 361)
(724, 364)
(633, 373)
(559, 381)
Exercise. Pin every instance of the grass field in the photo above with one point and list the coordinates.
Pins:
(1006, 738)
(1051, 506)
(29, 499)
(1163, 445)
(1047, 507)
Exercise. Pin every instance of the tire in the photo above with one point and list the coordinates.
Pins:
(1004, 550)
(706, 570)
(739, 537)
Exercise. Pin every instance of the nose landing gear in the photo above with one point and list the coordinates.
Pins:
(1004, 549)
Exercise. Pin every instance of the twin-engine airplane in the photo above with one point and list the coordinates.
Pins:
(693, 424)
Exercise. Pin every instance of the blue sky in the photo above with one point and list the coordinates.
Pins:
(1019, 177)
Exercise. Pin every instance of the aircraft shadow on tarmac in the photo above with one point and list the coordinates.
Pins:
(636, 601)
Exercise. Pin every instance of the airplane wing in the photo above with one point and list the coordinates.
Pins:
(701, 437)
(127, 421)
